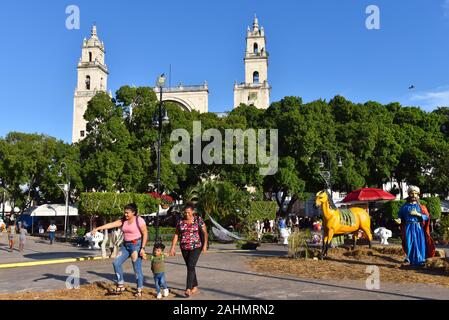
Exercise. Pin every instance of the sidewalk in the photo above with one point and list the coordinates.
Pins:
(38, 249)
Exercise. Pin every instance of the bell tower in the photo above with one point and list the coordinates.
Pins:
(255, 90)
(92, 78)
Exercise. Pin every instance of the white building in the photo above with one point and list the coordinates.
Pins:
(92, 78)
(255, 90)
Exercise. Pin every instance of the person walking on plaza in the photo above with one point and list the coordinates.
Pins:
(188, 231)
(135, 236)
(52, 231)
(22, 238)
(11, 235)
(158, 268)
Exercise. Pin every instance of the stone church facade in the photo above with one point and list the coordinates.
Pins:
(93, 78)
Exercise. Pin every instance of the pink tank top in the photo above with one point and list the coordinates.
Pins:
(131, 230)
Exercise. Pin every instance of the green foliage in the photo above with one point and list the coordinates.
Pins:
(298, 246)
(391, 208)
(166, 233)
(433, 204)
(222, 200)
(80, 232)
(261, 210)
(270, 238)
(377, 143)
(443, 229)
(110, 205)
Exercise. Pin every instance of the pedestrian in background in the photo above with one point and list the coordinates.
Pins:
(11, 235)
(52, 231)
(22, 238)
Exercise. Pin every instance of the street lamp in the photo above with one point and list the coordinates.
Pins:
(327, 174)
(66, 190)
(159, 119)
(3, 204)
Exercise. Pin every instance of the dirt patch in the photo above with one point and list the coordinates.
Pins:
(346, 264)
(96, 291)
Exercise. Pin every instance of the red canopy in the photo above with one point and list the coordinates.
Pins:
(368, 194)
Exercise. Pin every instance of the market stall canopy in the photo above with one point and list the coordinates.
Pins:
(445, 206)
(368, 195)
(8, 208)
(51, 210)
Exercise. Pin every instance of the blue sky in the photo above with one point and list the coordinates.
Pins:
(317, 49)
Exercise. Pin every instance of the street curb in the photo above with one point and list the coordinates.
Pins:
(68, 260)
(47, 262)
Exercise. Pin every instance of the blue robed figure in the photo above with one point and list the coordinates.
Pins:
(416, 239)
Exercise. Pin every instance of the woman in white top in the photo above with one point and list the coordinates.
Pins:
(51, 232)
(11, 235)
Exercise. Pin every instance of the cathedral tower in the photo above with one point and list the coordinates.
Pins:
(92, 78)
(255, 90)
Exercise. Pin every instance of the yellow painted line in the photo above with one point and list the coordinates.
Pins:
(47, 262)
(68, 260)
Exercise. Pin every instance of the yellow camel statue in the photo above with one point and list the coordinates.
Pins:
(334, 223)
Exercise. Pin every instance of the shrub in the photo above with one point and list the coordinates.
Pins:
(298, 246)
(391, 208)
(80, 232)
(166, 233)
(443, 229)
(110, 205)
(433, 204)
(261, 210)
(270, 238)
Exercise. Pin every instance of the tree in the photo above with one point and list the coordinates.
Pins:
(29, 168)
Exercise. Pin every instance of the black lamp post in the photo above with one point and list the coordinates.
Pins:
(327, 174)
(66, 190)
(159, 119)
(3, 204)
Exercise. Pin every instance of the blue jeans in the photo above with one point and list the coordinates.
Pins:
(126, 250)
(159, 281)
(51, 236)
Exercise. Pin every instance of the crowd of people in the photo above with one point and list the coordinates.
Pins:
(293, 223)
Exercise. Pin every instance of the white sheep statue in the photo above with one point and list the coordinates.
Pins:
(94, 241)
(383, 234)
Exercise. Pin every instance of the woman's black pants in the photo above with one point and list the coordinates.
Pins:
(191, 258)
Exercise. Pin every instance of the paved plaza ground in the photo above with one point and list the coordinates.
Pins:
(223, 273)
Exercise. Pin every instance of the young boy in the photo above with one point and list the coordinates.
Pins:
(158, 268)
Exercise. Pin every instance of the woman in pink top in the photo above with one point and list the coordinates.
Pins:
(135, 237)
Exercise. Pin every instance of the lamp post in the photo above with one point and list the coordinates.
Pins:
(159, 119)
(3, 204)
(327, 174)
(66, 190)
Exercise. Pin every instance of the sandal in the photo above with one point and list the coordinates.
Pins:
(188, 293)
(138, 294)
(119, 289)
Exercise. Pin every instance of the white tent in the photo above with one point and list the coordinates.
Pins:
(51, 210)
(445, 206)
(8, 208)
